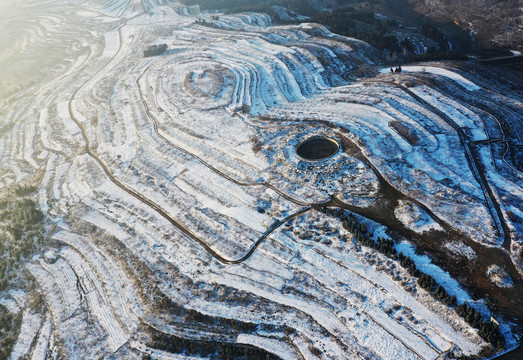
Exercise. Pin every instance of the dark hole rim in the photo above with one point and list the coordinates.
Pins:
(315, 138)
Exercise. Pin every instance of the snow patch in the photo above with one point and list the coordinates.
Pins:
(459, 248)
(414, 218)
(467, 84)
(499, 276)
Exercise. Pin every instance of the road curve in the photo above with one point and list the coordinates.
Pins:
(490, 200)
(161, 211)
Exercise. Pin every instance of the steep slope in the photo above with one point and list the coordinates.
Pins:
(494, 23)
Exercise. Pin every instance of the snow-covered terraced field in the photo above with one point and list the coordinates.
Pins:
(176, 204)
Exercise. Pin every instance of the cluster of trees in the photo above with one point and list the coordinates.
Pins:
(196, 318)
(426, 281)
(9, 325)
(230, 324)
(443, 51)
(357, 23)
(379, 33)
(405, 131)
(433, 32)
(336, 23)
(488, 330)
(434, 54)
(363, 16)
(204, 22)
(384, 246)
(360, 24)
(360, 232)
(300, 6)
(25, 190)
(437, 291)
(207, 348)
(343, 23)
(155, 50)
(21, 230)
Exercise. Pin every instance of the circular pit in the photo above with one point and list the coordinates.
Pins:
(317, 148)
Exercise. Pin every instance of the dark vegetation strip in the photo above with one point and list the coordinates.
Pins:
(190, 321)
(9, 327)
(21, 223)
(299, 6)
(155, 50)
(227, 326)
(487, 329)
(206, 348)
(21, 234)
(359, 23)
(380, 33)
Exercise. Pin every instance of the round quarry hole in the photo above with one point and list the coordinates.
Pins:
(317, 148)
